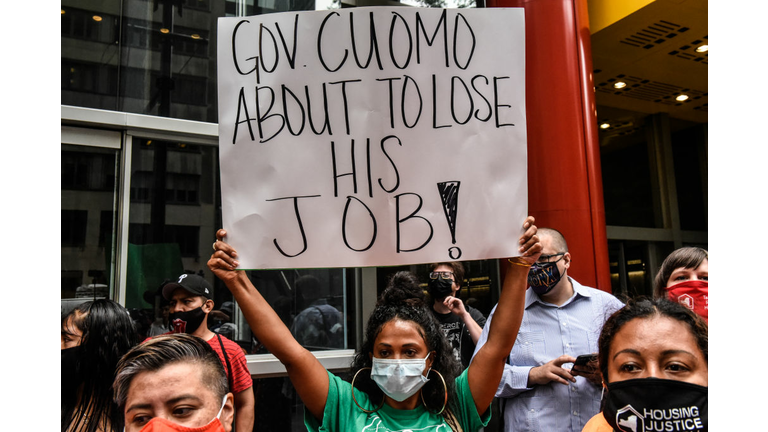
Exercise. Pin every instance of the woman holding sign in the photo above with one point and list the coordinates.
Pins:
(404, 376)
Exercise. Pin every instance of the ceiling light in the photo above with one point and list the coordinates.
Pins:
(97, 18)
(164, 31)
(62, 12)
(619, 84)
(605, 126)
(682, 98)
(702, 49)
(195, 36)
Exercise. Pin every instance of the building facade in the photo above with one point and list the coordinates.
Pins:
(140, 193)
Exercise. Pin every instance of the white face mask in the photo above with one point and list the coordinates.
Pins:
(399, 379)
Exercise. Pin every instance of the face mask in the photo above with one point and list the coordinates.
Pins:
(543, 277)
(186, 322)
(159, 424)
(693, 294)
(69, 374)
(399, 379)
(440, 288)
(652, 404)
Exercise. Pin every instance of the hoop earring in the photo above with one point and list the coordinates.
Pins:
(445, 389)
(354, 399)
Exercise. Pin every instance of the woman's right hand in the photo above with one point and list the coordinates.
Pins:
(223, 262)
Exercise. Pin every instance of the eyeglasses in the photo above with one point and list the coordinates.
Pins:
(441, 275)
(548, 259)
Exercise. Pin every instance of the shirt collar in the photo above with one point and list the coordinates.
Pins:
(578, 291)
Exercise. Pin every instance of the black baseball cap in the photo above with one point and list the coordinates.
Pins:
(190, 282)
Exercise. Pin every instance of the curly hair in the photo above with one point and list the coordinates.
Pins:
(644, 308)
(404, 300)
(685, 257)
(108, 333)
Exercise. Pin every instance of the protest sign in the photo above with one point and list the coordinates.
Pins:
(372, 136)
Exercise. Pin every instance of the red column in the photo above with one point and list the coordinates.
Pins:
(565, 189)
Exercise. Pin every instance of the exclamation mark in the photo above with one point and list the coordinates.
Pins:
(449, 195)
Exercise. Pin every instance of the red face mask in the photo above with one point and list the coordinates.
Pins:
(159, 424)
(693, 294)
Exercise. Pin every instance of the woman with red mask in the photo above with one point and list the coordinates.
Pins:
(684, 278)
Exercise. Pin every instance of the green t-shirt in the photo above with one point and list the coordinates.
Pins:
(342, 415)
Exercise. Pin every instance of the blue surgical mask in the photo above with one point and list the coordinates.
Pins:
(399, 378)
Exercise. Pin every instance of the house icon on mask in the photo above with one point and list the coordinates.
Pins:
(686, 301)
(629, 420)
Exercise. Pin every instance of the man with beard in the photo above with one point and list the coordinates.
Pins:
(190, 299)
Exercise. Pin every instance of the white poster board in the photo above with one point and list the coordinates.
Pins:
(372, 136)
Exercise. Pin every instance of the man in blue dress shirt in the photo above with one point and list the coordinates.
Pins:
(562, 320)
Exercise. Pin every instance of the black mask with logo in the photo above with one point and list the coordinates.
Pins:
(543, 277)
(186, 322)
(440, 288)
(653, 404)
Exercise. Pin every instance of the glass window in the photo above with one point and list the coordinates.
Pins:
(316, 304)
(633, 265)
(88, 200)
(626, 172)
(175, 212)
(174, 215)
(689, 150)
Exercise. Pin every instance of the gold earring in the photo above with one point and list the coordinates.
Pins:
(354, 399)
(445, 389)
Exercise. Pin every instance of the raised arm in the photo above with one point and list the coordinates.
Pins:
(308, 376)
(487, 365)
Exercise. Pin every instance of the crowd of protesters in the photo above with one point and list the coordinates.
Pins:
(557, 355)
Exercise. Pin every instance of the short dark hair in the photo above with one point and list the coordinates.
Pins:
(685, 257)
(558, 239)
(456, 267)
(644, 308)
(161, 351)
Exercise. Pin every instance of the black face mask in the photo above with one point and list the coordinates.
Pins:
(653, 404)
(543, 277)
(440, 288)
(70, 375)
(186, 322)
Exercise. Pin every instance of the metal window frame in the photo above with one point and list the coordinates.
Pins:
(93, 125)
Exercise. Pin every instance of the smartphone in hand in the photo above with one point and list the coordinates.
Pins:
(582, 360)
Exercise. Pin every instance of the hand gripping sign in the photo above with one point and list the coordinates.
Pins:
(372, 136)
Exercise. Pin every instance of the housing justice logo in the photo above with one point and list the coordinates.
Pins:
(676, 419)
(656, 405)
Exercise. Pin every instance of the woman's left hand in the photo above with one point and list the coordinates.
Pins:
(530, 246)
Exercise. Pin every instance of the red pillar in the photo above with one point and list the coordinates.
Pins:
(565, 189)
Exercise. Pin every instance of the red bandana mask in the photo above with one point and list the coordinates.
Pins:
(693, 294)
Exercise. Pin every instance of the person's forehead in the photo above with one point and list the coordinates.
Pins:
(443, 268)
(178, 379)
(702, 268)
(399, 332)
(69, 327)
(547, 244)
(651, 336)
(181, 294)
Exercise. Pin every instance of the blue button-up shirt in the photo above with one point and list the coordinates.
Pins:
(547, 332)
